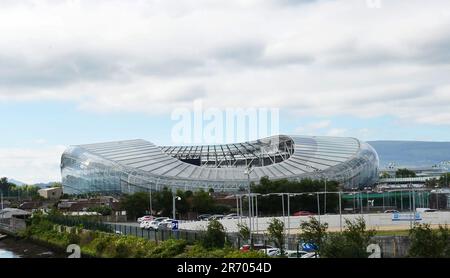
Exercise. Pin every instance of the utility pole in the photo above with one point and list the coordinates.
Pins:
(340, 210)
(325, 200)
(175, 198)
(318, 205)
(248, 171)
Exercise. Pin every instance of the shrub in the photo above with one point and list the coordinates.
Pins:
(428, 243)
(276, 233)
(215, 235)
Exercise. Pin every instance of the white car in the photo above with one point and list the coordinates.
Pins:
(145, 218)
(271, 252)
(154, 224)
(143, 224)
(310, 255)
(165, 224)
(231, 216)
(295, 254)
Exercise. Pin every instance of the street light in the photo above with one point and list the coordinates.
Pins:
(175, 198)
(325, 200)
(248, 171)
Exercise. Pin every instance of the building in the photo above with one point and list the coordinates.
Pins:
(53, 193)
(13, 219)
(138, 165)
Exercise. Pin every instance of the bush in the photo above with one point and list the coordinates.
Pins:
(428, 243)
(313, 232)
(215, 235)
(351, 243)
(276, 233)
(168, 249)
(250, 255)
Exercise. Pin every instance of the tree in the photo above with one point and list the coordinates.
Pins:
(103, 210)
(271, 204)
(244, 231)
(215, 235)
(136, 204)
(444, 180)
(163, 201)
(385, 175)
(202, 202)
(313, 232)
(56, 184)
(429, 243)
(405, 173)
(5, 185)
(276, 233)
(351, 243)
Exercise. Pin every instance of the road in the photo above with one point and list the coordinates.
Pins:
(377, 221)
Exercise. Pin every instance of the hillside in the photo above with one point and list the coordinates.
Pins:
(411, 153)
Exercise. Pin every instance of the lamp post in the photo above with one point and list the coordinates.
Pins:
(175, 198)
(340, 210)
(248, 171)
(325, 200)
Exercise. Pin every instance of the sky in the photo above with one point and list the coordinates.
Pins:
(75, 72)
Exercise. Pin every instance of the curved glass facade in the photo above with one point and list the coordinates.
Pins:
(138, 165)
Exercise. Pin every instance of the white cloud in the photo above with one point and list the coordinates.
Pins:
(31, 165)
(322, 58)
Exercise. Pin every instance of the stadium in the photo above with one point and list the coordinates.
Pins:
(130, 166)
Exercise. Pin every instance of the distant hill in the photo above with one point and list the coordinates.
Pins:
(44, 185)
(16, 182)
(411, 153)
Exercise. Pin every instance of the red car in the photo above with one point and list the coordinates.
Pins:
(246, 247)
(303, 213)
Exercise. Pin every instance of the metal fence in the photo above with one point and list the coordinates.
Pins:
(390, 246)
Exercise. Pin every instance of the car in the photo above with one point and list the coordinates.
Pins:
(271, 252)
(391, 211)
(216, 217)
(145, 218)
(425, 210)
(295, 254)
(203, 217)
(246, 247)
(154, 223)
(303, 213)
(232, 216)
(165, 224)
(310, 255)
(143, 224)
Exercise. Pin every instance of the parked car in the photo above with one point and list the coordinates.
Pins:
(295, 254)
(203, 217)
(216, 217)
(143, 224)
(425, 210)
(165, 224)
(271, 252)
(154, 223)
(310, 255)
(391, 211)
(303, 213)
(145, 218)
(246, 247)
(231, 216)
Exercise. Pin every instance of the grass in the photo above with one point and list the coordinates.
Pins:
(392, 233)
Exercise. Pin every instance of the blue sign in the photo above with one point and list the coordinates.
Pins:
(174, 225)
(309, 247)
(406, 217)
